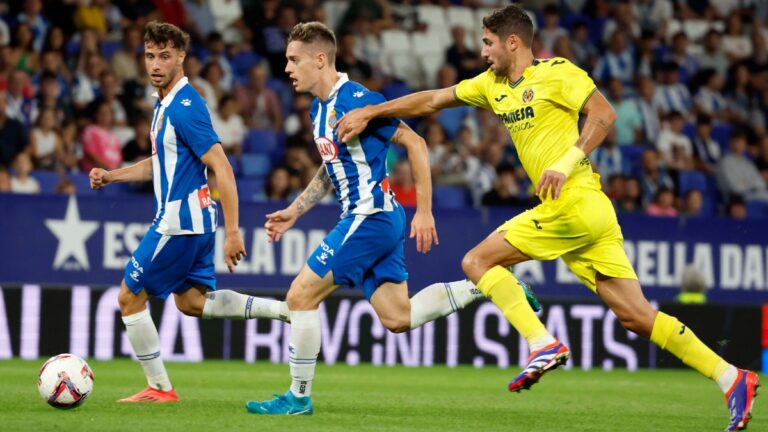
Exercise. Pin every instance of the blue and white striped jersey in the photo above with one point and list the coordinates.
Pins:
(358, 169)
(181, 134)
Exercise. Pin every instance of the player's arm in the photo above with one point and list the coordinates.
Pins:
(423, 223)
(140, 171)
(217, 161)
(413, 105)
(600, 119)
(282, 220)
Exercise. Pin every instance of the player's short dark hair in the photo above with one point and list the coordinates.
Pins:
(315, 32)
(161, 34)
(510, 20)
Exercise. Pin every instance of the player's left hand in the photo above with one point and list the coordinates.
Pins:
(352, 124)
(423, 228)
(552, 181)
(234, 250)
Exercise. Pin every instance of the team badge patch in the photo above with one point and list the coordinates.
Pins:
(332, 118)
(528, 95)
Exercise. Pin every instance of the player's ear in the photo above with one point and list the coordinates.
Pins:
(321, 59)
(182, 56)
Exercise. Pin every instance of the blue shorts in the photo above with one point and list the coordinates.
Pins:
(164, 264)
(364, 251)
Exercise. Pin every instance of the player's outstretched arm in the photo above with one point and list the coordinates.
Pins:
(282, 220)
(140, 171)
(600, 119)
(234, 248)
(413, 105)
(423, 223)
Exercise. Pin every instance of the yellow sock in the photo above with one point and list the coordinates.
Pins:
(673, 336)
(502, 288)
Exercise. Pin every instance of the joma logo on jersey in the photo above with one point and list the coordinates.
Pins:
(517, 115)
(327, 148)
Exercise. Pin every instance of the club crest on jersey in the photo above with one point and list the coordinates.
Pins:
(332, 119)
(528, 95)
(328, 149)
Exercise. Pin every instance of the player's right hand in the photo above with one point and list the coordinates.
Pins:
(352, 124)
(279, 222)
(99, 178)
(234, 250)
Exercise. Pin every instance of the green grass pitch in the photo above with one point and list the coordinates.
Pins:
(367, 398)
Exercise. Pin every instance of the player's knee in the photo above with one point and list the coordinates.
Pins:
(298, 298)
(398, 324)
(189, 307)
(129, 303)
(472, 265)
(633, 322)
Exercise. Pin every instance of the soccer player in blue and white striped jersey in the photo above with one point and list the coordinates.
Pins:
(176, 255)
(366, 248)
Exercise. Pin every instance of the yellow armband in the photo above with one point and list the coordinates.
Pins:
(568, 162)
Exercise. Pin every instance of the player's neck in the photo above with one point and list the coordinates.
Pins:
(519, 64)
(325, 84)
(163, 92)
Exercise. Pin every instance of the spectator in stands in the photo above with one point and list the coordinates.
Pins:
(631, 199)
(32, 15)
(91, 16)
(5, 180)
(452, 119)
(737, 175)
(563, 48)
(125, 61)
(647, 114)
(192, 69)
(709, 99)
(736, 208)
(653, 15)
(278, 187)
(23, 54)
(66, 187)
(108, 93)
(274, 35)
(86, 86)
(706, 151)
(402, 184)
(200, 21)
(713, 56)
(761, 161)
(674, 146)
(22, 182)
(55, 41)
(607, 159)
(584, 51)
(229, 125)
(617, 62)
(653, 176)
(663, 204)
(299, 121)
(13, 136)
(686, 63)
(378, 12)
(551, 30)
(52, 63)
(621, 20)
(743, 98)
(67, 160)
(356, 68)
(259, 104)
(736, 44)
(671, 94)
(506, 191)
(20, 102)
(645, 54)
(693, 203)
(44, 140)
(628, 123)
(464, 60)
(212, 74)
(614, 188)
(217, 54)
(101, 147)
(140, 147)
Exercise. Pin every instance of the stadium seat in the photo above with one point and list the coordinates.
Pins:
(434, 17)
(334, 12)
(255, 166)
(427, 43)
(82, 183)
(689, 130)
(631, 156)
(260, 141)
(430, 64)
(243, 61)
(48, 180)
(692, 180)
(450, 197)
(109, 48)
(757, 209)
(402, 66)
(284, 93)
(464, 17)
(721, 132)
(251, 189)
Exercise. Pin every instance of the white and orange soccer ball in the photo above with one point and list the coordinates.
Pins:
(65, 381)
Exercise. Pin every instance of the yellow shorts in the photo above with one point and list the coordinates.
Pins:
(581, 227)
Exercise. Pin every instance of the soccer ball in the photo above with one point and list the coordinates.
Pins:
(65, 381)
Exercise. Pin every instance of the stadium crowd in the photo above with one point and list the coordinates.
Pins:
(687, 78)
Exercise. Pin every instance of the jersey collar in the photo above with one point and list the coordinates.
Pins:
(343, 78)
(526, 73)
(166, 102)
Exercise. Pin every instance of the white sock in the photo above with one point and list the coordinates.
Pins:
(303, 349)
(146, 345)
(442, 299)
(233, 305)
(542, 342)
(727, 378)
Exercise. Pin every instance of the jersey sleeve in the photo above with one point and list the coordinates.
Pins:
(382, 128)
(472, 91)
(571, 86)
(194, 128)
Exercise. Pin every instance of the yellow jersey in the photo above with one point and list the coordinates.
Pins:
(540, 110)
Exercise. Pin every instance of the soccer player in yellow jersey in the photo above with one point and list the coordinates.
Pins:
(539, 101)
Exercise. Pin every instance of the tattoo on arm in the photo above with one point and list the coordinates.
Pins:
(315, 191)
